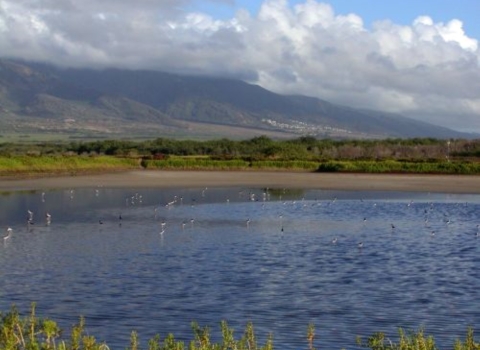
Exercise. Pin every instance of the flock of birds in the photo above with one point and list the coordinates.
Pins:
(264, 197)
(30, 221)
(137, 199)
(430, 208)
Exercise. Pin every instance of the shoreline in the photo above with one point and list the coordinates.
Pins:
(466, 184)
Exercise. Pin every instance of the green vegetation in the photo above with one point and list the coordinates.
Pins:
(34, 333)
(259, 153)
(192, 163)
(414, 341)
(26, 165)
(395, 166)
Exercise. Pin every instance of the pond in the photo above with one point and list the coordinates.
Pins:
(351, 263)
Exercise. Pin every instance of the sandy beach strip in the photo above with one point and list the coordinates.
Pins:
(274, 179)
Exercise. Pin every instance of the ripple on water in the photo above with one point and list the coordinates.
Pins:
(269, 262)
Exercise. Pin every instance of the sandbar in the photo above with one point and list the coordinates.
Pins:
(265, 179)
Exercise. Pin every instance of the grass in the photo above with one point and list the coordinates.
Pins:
(285, 164)
(31, 165)
(26, 165)
(206, 163)
(209, 163)
(415, 341)
(34, 333)
(396, 166)
(195, 163)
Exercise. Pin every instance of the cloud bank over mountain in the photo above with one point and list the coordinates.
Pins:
(428, 70)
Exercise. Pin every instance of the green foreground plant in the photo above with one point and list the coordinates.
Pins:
(34, 333)
(414, 341)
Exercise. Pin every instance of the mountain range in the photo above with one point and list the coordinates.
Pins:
(116, 103)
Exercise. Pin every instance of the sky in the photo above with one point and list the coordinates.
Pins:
(417, 58)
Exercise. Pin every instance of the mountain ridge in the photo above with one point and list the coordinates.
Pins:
(123, 102)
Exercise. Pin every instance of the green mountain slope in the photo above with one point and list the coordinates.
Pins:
(113, 101)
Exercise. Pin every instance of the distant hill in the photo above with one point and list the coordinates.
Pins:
(119, 103)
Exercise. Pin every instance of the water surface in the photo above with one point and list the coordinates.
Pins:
(242, 255)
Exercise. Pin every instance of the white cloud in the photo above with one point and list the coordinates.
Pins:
(453, 31)
(428, 69)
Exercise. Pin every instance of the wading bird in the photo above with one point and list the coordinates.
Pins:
(48, 218)
(9, 234)
(30, 216)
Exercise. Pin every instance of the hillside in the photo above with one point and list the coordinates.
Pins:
(124, 103)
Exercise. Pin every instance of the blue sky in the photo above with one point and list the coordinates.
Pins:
(419, 58)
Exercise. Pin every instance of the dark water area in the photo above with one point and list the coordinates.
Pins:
(241, 255)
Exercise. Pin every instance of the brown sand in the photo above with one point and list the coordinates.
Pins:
(306, 180)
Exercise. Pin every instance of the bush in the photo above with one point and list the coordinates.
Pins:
(32, 333)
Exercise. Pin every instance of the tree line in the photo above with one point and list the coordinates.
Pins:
(262, 148)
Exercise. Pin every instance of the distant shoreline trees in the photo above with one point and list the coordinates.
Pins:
(263, 148)
(421, 155)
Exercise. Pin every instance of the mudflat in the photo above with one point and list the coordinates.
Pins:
(267, 179)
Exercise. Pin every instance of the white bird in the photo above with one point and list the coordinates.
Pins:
(9, 234)
(334, 241)
(30, 218)
(48, 218)
(360, 245)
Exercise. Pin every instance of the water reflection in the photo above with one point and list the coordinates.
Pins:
(153, 261)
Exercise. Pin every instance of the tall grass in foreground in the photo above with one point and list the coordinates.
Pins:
(34, 333)
(63, 164)
(414, 341)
